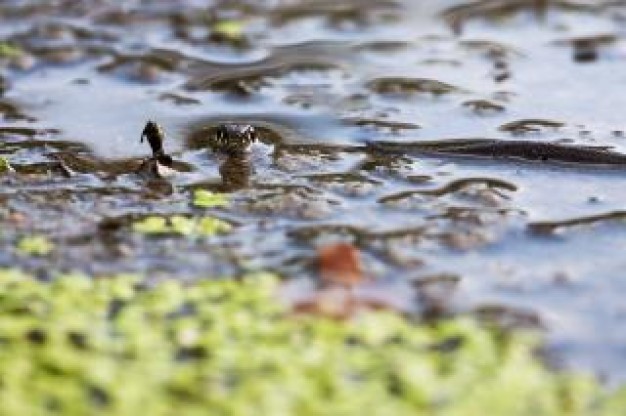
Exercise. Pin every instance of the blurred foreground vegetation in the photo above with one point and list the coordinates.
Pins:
(126, 346)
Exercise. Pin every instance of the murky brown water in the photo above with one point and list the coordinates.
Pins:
(533, 238)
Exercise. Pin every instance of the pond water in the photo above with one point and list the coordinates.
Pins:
(526, 238)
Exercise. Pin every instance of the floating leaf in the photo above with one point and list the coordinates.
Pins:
(5, 166)
(152, 225)
(210, 226)
(230, 29)
(345, 292)
(207, 199)
(340, 264)
(181, 225)
(35, 245)
(9, 51)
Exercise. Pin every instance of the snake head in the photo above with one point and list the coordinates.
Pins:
(233, 139)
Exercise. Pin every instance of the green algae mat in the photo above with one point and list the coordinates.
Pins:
(126, 346)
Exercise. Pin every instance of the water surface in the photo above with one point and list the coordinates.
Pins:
(320, 80)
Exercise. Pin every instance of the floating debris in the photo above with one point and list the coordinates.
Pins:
(483, 106)
(9, 51)
(182, 225)
(451, 187)
(550, 227)
(586, 49)
(394, 126)
(159, 165)
(35, 245)
(155, 136)
(207, 199)
(5, 166)
(530, 126)
(229, 31)
(498, 149)
(340, 265)
(404, 85)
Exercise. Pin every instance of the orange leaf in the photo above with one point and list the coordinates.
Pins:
(340, 264)
(343, 294)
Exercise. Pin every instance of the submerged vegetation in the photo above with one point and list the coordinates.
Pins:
(125, 346)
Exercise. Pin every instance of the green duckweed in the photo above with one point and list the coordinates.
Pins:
(8, 50)
(35, 245)
(5, 166)
(181, 225)
(207, 199)
(117, 346)
(230, 29)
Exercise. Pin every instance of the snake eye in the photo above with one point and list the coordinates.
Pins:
(221, 133)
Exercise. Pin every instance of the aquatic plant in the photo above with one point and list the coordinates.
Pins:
(116, 345)
(229, 29)
(8, 50)
(35, 245)
(181, 225)
(5, 166)
(207, 199)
